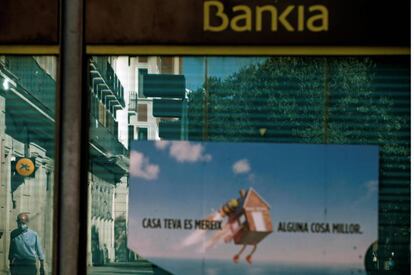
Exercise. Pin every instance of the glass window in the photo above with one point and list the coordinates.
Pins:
(27, 154)
(315, 100)
(142, 112)
(142, 133)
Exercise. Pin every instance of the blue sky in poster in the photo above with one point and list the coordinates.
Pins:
(302, 183)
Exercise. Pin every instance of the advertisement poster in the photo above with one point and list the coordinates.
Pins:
(253, 208)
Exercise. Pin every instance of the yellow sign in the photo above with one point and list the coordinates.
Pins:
(25, 167)
(314, 18)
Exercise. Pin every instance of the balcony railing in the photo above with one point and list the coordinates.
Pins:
(105, 81)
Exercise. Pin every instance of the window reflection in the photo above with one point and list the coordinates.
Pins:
(345, 100)
(27, 152)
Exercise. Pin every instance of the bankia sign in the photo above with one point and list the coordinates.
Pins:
(215, 22)
(248, 22)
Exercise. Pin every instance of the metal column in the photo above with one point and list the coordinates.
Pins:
(72, 142)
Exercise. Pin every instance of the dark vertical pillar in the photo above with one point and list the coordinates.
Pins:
(72, 141)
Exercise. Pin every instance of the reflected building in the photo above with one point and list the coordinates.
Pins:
(142, 124)
(112, 126)
(108, 163)
(27, 139)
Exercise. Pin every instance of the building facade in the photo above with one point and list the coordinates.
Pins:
(142, 123)
(27, 111)
(112, 126)
(108, 166)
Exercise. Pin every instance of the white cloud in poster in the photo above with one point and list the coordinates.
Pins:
(184, 151)
(162, 144)
(241, 167)
(142, 168)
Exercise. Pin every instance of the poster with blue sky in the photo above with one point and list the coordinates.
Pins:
(253, 208)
